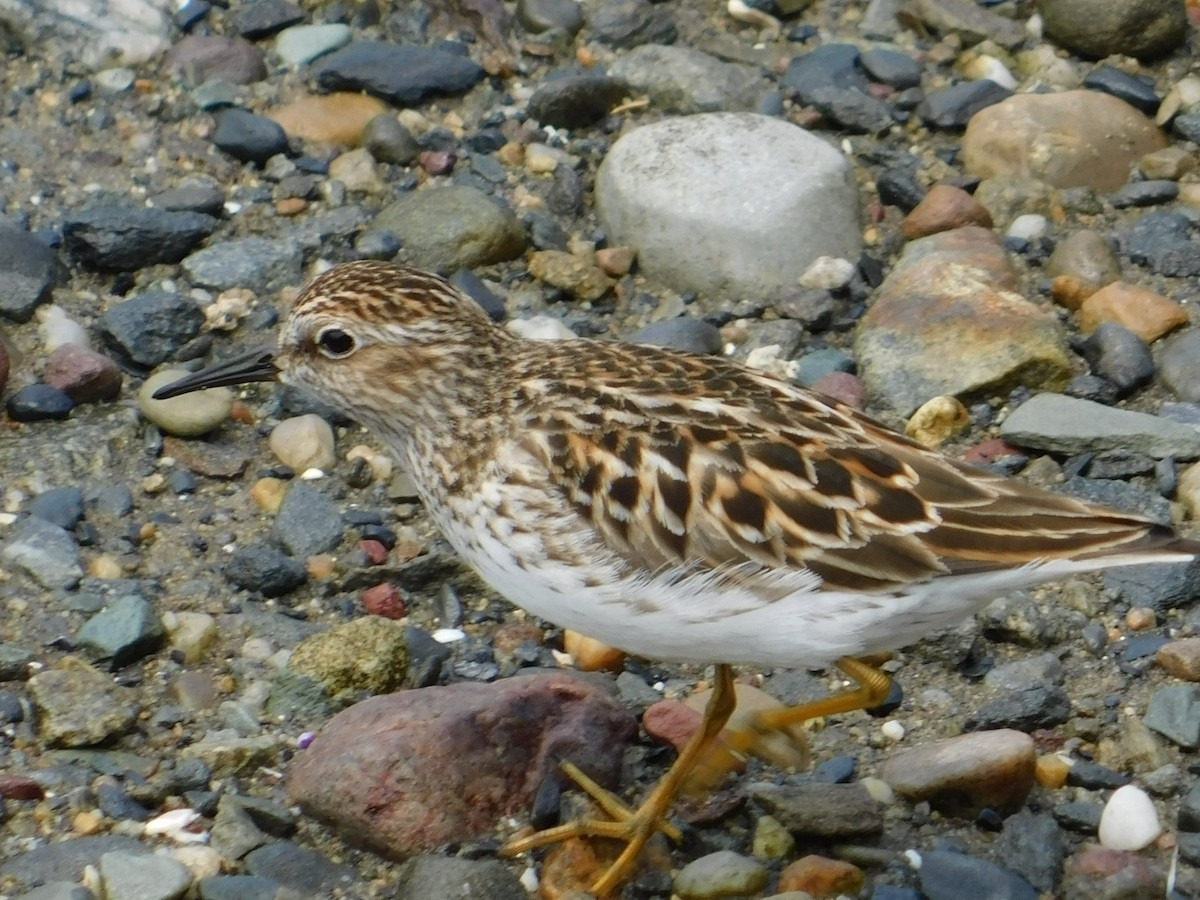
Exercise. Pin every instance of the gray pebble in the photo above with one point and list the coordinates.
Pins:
(265, 570)
(128, 629)
(148, 328)
(121, 238)
(45, 552)
(261, 265)
(682, 333)
(59, 506)
(308, 522)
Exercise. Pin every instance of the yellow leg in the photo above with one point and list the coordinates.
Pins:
(873, 689)
(635, 827)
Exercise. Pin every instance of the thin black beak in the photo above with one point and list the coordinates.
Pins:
(257, 365)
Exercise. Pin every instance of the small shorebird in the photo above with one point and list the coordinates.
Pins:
(680, 507)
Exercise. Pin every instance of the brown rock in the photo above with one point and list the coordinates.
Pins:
(82, 374)
(671, 722)
(963, 775)
(406, 772)
(1069, 291)
(1085, 257)
(944, 208)
(947, 320)
(821, 877)
(592, 655)
(204, 57)
(1051, 771)
(1181, 658)
(822, 810)
(1145, 313)
(1068, 139)
(574, 275)
(384, 600)
(328, 119)
(1099, 872)
(20, 787)
(615, 261)
(210, 460)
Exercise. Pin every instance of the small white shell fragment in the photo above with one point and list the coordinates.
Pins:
(892, 730)
(529, 880)
(1129, 820)
(541, 328)
(988, 67)
(174, 824)
(1183, 95)
(827, 273)
(1028, 227)
(449, 635)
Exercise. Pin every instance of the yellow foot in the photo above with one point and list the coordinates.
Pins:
(634, 827)
(629, 826)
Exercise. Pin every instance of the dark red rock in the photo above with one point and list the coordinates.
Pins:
(437, 162)
(18, 787)
(384, 600)
(844, 387)
(406, 772)
(83, 374)
(1099, 872)
(377, 554)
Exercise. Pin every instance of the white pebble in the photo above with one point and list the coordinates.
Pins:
(1129, 820)
(313, 474)
(892, 730)
(541, 328)
(303, 442)
(529, 880)
(988, 67)
(56, 328)
(175, 824)
(879, 789)
(827, 273)
(449, 635)
(1028, 227)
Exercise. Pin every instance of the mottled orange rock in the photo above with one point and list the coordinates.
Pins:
(820, 877)
(944, 208)
(329, 118)
(1145, 313)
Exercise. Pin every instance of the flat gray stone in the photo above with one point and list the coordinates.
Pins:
(1174, 712)
(143, 876)
(261, 265)
(447, 228)
(1061, 424)
(686, 81)
(44, 552)
(728, 204)
(64, 860)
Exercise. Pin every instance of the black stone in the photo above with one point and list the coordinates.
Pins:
(946, 875)
(1159, 586)
(264, 18)
(123, 239)
(1189, 810)
(683, 333)
(1137, 92)
(1041, 706)
(900, 188)
(37, 402)
(1120, 357)
(265, 570)
(630, 23)
(954, 106)
(400, 75)
(852, 110)
(891, 67)
(425, 658)
(1032, 845)
(1162, 241)
(575, 101)
(1095, 777)
(1081, 817)
(147, 329)
(828, 66)
(475, 288)
(249, 137)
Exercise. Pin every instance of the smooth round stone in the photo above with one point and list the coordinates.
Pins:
(190, 415)
(302, 44)
(37, 402)
(304, 442)
(148, 876)
(729, 204)
(537, 16)
(1028, 227)
(720, 874)
(1129, 820)
(1142, 28)
(682, 333)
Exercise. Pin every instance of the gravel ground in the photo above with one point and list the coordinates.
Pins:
(222, 590)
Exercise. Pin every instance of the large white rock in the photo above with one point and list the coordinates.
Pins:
(728, 204)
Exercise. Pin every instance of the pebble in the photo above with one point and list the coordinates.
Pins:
(1147, 314)
(944, 208)
(1116, 354)
(945, 875)
(537, 16)
(189, 415)
(1067, 139)
(261, 265)
(303, 871)
(59, 506)
(78, 706)
(1086, 257)
(44, 552)
(301, 44)
(1179, 365)
(1174, 712)
(304, 442)
(82, 374)
(401, 75)
(686, 81)
(247, 136)
(308, 522)
(1146, 29)
(265, 570)
(206, 58)
(720, 874)
(150, 327)
(1181, 658)
(447, 228)
(772, 841)
(126, 630)
(821, 810)
(429, 876)
(684, 333)
(126, 238)
(1129, 821)
(142, 876)
(1060, 424)
(702, 196)
(937, 421)
(27, 272)
(957, 106)
(964, 775)
(38, 403)
(817, 877)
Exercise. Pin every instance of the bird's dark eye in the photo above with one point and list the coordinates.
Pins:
(335, 343)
